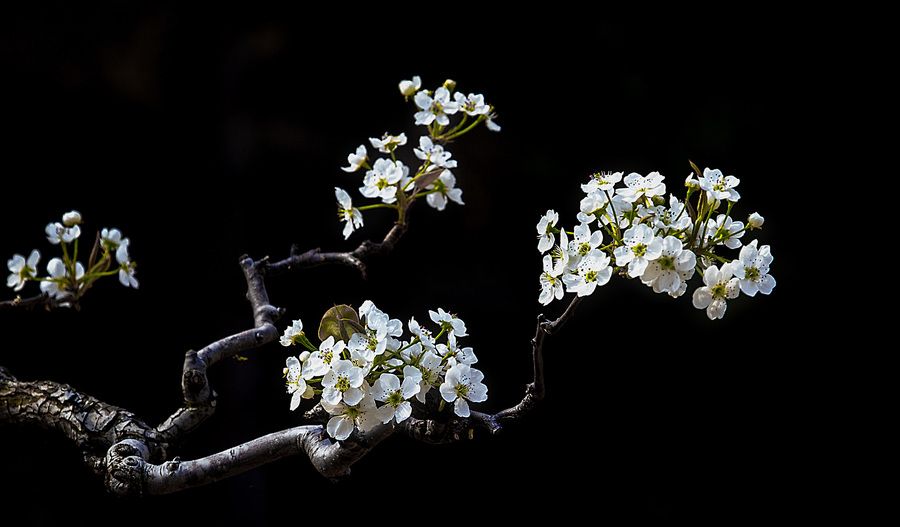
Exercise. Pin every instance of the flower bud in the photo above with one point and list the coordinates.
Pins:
(755, 221)
(71, 218)
(408, 88)
(450, 84)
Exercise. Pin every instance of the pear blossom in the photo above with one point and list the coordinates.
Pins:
(462, 383)
(22, 270)
(320, 361)
(434, 108)
(409, 87)
(755, 221)
(720, 285)
(434, 154)
(724, 230)
(356, 159)
(387, 143)
(342, 383)
(669, 271)
(292, 333)
(551, 280)
(71, 218)
(347, 212)
(752, 268)
(383, 180)
(430, 366)
(472, 104)
(719, 186)
(296, 382)
(444, 189)
(448, 322)
(593, 270)
(346, 417)
(601, 181)
(545, 229)
(640, 247)
(126, 267)
(58, 275)
(637, 186)
(57, 232)
(452, 351)
(395, 394)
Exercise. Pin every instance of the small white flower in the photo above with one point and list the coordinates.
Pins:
(462, 383)
(387, 143)
(57, 232)
(674, 265)
(593, 270)
(430, 366)
(472, 104)
(720, 286)
(444, 189)
(57, 271)
(433, 154)
(410, 87)
(126, 267)
(551, 280)
(356, 159)
(640, 247)
(347, 212)
(637, 186)
(448, 322)
(347, 417)
(545, 229)
(342, 383)
(296, 381)
(752, 268)
(435, 108)
(755, 221)
(724, 230)
(21, 270)
(719, 186)
(384, 180)
(395, 394)
(295, 329)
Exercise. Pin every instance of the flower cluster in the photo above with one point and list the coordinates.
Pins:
(367, 373)
(393, 183)
(66, 276)
(628, 226)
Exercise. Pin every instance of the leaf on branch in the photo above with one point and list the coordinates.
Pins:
(340, 322)
(426, 179)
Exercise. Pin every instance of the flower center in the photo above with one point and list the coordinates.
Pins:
(639, 250)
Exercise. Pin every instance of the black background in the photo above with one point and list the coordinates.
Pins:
(205, 135)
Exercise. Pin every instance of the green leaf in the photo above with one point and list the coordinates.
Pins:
(340, 322)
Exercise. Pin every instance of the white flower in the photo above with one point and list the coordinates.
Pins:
(444, 188)
(752, 268)
(724, 230)
(57, 232)
(295, 329)
(21, 270)
(601, 182)
(433, 153)
(593, 270)
(551, 281)
(395, 394)
(356, 159)
(409, 87)
(472, 104)
(57, 271)
(585, 241)
(453, 352)
(436, 108)
(296, 382)
(430, 366)
(342, 383)
(113, 239)
(387, 143)
(448, 322)
(384, 180)
(346, 416)
(347, 212)
(720, 286)
(462, 383)
(673, 218)
(591, 206)
(545, 228)
(718, 186)
(637, 185)
(641, 247)
(669, 272)
(424, 336)
(319, 362)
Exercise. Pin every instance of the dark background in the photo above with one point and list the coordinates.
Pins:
(205, 135)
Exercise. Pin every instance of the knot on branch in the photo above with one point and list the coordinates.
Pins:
(125, 462)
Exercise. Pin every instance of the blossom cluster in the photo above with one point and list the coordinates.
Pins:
(66, 275)
(627, 225)
(371, 374)
(392, 182)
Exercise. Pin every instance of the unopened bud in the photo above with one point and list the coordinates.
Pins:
(408, 87)
(71, 218)
(755, 221)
